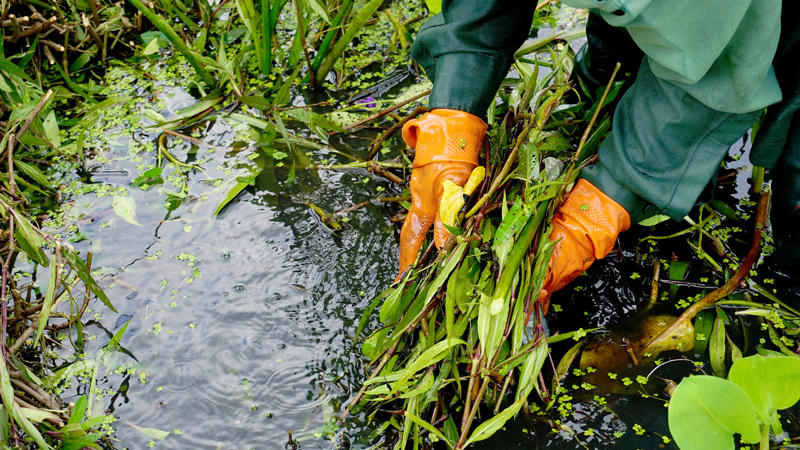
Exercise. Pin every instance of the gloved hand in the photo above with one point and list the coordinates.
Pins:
(587, 224)
(447, 144)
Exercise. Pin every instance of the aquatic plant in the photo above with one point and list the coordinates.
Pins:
(466, 333)
(705, 412)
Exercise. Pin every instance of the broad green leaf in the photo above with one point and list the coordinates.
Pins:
(706, 411)
(491, 326)
(565, 363)
(81, 442)
(78, 411)
(771, 383)
(313, 119)
(435, 6)
(255, 102)
(8, 66)
(125, 207)
(390, 309)
(488, 428)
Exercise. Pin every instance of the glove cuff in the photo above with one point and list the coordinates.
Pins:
(445, 135)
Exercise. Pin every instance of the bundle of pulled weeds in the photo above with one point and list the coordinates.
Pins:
(464, 335)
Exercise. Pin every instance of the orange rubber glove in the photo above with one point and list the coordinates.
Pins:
(588, 223)
(447, 144)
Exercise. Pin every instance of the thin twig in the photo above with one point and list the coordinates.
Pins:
(738, 277)
(382, 113)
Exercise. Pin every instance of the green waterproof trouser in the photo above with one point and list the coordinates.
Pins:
(693, 138)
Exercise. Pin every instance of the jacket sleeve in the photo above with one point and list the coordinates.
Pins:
(468, 48)
(718, 51)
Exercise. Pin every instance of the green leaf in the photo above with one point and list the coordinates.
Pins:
(313, 119)
(531, 368)
(83, 273)
(427, 358)
(512, 223)
(255, 102)
(151, 47)
(390, 310)
(8, 66)
(771, 383)
(125, 207)
(703, 326)
(705, 412)
(488, 428)
(51, 129)
(655, 220)
(44, 315)
(29, 240)
(30, 430)
(79, 410)
(81, 442)
(34, 173)
(677, 270)
(716, 347)
(150, 432)
(430, 428)
(241, 184)
(38, 415)
(319, 9)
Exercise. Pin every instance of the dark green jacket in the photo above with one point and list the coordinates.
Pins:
(706, 77)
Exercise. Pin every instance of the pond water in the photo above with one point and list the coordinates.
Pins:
(242, 323)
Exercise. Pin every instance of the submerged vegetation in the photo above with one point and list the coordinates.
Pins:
(463, 343)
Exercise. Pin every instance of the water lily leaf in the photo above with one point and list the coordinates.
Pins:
(125, 207)
(772, 383)
(705, 412)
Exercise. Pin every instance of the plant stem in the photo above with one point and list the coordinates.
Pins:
(733, 282)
